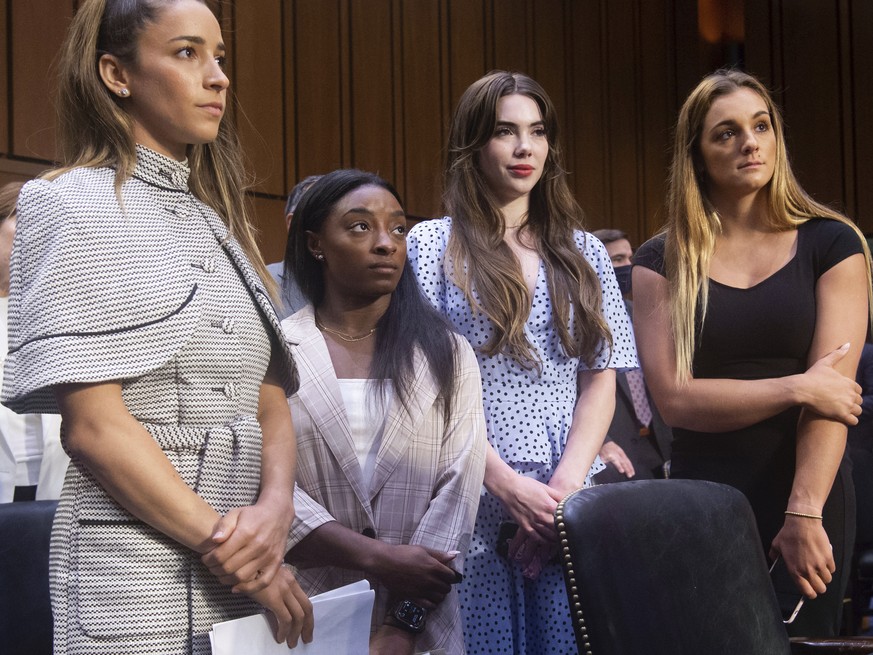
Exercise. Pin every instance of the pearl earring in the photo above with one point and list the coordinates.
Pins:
(123, 92)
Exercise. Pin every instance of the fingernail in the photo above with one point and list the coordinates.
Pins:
(845, 346)
(454, 553)
(218, 535)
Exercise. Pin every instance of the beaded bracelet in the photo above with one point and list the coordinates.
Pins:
(804, 516)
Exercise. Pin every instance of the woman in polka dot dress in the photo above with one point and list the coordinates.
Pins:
(537, 298)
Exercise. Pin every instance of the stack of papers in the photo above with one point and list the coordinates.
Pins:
(342, 625)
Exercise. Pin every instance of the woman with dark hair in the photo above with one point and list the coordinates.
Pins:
(536, 297)
(751, 311)
(138, 311)
(388, 417)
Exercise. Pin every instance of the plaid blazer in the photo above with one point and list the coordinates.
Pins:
(427, 479)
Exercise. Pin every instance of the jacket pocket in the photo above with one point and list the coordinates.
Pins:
(130, 580)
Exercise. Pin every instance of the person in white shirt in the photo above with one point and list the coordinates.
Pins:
(32, 461)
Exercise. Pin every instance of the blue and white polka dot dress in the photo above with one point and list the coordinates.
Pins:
(528, 414)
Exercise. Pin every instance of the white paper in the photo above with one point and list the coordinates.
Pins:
(342, 626)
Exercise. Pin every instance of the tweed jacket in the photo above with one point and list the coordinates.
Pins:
(427, 479)
(150, 290)
(88, 272)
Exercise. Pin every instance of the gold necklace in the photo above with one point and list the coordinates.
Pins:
(344, 337)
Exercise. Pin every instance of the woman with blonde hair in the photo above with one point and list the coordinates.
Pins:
(751, 309)
(515, 273)
(138, 311)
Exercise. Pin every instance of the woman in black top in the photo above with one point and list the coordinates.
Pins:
(750, 313)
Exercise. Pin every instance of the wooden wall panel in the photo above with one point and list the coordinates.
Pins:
(422, 103)
(5, 71)
(622, 115)
(586, 118)
(258, 79)
(272, 235)
(860, 20)
(373, 127)
(657, 108)
(811, 98)
(467, 42)
(549, 44)
(320, 88)
(372, 83)
(511, 37)
(35, 40)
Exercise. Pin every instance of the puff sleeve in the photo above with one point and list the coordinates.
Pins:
(96, 293)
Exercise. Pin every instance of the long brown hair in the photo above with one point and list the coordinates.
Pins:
(94, 130)
(479, 259)
(693, 223)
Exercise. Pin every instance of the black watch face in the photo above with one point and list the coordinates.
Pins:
(410, 614)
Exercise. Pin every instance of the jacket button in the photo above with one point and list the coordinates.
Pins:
(369, 532)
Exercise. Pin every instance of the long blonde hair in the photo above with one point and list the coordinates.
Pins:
(693, 223)
(479, 259)
(95, 131)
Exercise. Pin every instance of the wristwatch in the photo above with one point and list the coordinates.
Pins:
(407, 616)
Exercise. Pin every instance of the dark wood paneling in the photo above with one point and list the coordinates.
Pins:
(622, 114)
(372, 53)
(36, 30)
(5, 70)
(467, 42)
(258, 81)
(372, 83)
(657, 109)
(861, 25)
(511, 36)
(811, 98)
(549, 46)
(422, 102)
(588, 165)
(320, 90)
(272, 236)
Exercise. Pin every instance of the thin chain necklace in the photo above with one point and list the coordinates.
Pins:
(341, 335)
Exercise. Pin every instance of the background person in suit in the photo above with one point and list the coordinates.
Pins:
(389, 419)
(289, 293)
(637, 445)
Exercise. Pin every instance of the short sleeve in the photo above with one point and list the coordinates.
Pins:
(651, 255)
(624, 352)
(95, 294)
(830, 242)
(426, 247)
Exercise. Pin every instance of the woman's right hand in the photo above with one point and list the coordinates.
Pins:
(532, 505)
(289, 610)
(419, 574)
(828, 392)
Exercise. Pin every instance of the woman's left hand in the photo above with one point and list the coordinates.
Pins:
(806, 549)
(530, 554)
(250, 544)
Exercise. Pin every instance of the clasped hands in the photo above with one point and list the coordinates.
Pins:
(532, 505)
(248, 546)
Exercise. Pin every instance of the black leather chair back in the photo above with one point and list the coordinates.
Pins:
(25, 609)
(667, 567)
